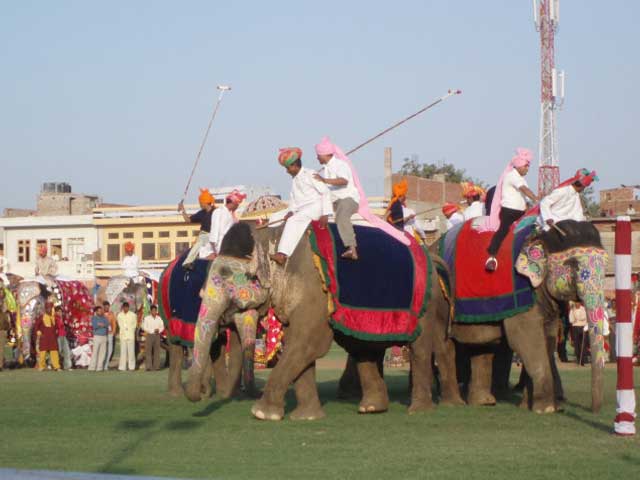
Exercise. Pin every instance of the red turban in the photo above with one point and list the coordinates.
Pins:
(289, 155)
(449, 209)
(43, 250)
(129, 247)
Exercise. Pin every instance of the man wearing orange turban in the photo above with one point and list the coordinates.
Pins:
(203, 217)
(46, 267)
(473, 195)
(310, 200)
(395, 215)
(130, 262)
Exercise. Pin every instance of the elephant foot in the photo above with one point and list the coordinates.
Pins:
(176, 391)
(418, 406)
(481, 398)
(308, 413)
(543, 408)
(262, 411)
(193, 391)
(452, 400)
(206, 390)
(373, 405)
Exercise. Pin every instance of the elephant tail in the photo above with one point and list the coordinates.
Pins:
(444, 280)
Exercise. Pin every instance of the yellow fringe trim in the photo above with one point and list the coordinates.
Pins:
(317, 261)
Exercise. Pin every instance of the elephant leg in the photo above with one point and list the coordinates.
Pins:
(445, 354)
(246, 323)
(226, 376)
(421, 373)
(309, 406)
(557, 381)
(207, 375)
(375, 397)
(213, 306)
(349, 384)
(526, 337)
(305, 342)
(480, 385)
(175, 369)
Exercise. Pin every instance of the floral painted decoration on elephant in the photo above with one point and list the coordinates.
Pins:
(532, 263)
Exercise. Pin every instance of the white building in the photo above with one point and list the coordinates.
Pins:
(71, 239)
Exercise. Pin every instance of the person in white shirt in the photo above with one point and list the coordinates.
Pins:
(452, 213)
(152, 326)
(509, 203)
(411, 225)
(631, 211)
(127, 324)
(579, 330)
(473, 196)
(337, 175)
(223, 219)
(130, 262)
(564, 202)
(310, 200)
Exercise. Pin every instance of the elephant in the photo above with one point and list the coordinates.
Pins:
(231, 296)
(560, 267)
(301, 303)
(30, 299)
(122, 289)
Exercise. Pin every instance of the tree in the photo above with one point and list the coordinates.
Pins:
(411, 166)
(589, 203)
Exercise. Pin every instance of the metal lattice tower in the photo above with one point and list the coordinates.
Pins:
(546, 14)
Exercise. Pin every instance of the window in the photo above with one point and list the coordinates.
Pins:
(164, 251)
(147, 234)
(163, 234)
(127, 235)
(181, 247)
(75, 249)
(113, 252)
(148, 251)
(183, 233)
(24, 250)
(56, 248)
(113, 236)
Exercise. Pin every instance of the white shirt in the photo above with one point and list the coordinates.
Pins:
(411, 226)
(127, 323)
(561, 204)
(222, 220)
(336, 168)
(150, 324)
(578, 316)
(454, 220)
(512, 197)
(475, 210)
(631, 211)
(130, 264)
(306, 191)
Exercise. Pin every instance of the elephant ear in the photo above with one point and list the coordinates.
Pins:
(532, 263)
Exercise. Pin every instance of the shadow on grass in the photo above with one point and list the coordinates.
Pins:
(212, 407)
(602, 427)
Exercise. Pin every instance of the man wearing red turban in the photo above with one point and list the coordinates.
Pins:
(130, 262)
(452, 212)
(564, 202)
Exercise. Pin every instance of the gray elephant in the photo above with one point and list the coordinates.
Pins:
(301, 302)
(560, 268)
(30, 298)
(231, 297)
(121, 289)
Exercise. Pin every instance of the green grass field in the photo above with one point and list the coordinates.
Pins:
(125, 423)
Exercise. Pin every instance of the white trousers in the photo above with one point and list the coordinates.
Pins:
(127, 355)
(296, 226)
(99, 353)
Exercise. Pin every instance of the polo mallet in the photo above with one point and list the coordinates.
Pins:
(222, 89)
(450, 93)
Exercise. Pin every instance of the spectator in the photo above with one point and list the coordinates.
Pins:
(5, 326)
(579, 329)
(46, 339)
(100, 326)
(63, 343)
(127, 323)
(631, 211)
(152, 326)
(111, 335)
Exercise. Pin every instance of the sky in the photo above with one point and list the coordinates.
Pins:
(114, 97)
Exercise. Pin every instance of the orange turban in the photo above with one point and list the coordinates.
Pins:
(469, 189)
(206, 197)
(449, 209)
(129, 247)
(43, 250)
(401, 188)
(289, 155)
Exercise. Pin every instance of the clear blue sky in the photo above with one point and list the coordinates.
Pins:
(114, 97)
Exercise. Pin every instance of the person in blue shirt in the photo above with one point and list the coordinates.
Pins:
(100, 325)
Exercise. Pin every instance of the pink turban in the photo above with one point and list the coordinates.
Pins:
(325, 147)
(236, 196)
(522, 158)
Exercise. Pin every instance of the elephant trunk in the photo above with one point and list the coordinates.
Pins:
(590, 285)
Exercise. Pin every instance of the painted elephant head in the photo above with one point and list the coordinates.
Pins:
(121, 289)
(30, 300)
(572, 267)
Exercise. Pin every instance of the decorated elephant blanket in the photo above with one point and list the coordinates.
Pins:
(179, 298)
(77, 307)
(482, 296)
(381, 295)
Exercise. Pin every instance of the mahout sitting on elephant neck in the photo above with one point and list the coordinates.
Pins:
(577, 234)
(238, 241)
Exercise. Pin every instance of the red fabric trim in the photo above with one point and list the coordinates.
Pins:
(471, 253)
(420, 273)
(183, 330)
(166, 281)
(625, 417)
(625, 373)
(623, 306)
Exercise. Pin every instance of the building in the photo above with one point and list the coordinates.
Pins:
(70, 239)
(56, 198)
(617, 201)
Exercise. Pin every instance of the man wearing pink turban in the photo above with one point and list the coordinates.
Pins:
(564, 202)
(337, 175)
(509, 203)
(222, 220)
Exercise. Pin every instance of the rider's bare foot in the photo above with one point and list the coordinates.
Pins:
(279, 258)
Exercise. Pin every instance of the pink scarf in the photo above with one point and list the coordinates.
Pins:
(325, 147)
(491, 223)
